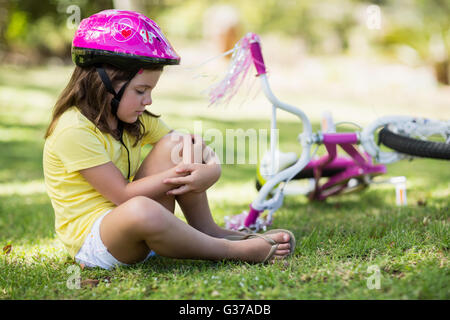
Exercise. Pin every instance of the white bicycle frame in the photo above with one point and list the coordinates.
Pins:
(306, 140)
(407, 124)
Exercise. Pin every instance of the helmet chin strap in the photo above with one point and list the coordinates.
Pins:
(115, 103)
(108, 85)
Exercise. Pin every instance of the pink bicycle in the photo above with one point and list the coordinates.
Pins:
(407, 137)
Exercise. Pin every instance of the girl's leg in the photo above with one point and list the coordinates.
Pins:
(141, 224)
(194, 205)
(159, 159)
(196, 209)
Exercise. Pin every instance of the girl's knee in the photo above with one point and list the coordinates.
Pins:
(146, 214)
(181, 148)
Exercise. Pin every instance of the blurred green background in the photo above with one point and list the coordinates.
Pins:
(413, 31)
(358, 59)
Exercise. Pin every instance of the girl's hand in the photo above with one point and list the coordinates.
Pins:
(198, 178)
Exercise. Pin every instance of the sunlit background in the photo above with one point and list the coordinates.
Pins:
(377, 57)
(358, 59)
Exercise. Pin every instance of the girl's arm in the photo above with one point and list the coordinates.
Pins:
(196, 177)
(109, 181)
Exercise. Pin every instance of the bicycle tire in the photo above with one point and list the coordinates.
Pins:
(414, 147)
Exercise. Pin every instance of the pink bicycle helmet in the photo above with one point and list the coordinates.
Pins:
(125, 39)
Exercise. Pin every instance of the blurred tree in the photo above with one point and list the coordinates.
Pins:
(222, 26)
(35, 30)
(423, 26)
(39, 28)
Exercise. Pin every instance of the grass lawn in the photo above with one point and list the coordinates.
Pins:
(339, 242)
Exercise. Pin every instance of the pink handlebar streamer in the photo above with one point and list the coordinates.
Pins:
(246, 51)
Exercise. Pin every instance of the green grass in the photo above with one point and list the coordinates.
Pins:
(338, 240)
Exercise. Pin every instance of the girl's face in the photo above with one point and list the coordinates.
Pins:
(137, 95)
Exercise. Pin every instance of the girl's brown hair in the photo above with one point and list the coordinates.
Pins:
(86, 91)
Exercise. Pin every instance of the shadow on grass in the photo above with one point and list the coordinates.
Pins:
(26, 218)
(21, 161)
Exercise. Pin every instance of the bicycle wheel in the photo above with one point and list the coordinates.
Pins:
(414, 147)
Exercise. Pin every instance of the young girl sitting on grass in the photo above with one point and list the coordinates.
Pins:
(110, 209)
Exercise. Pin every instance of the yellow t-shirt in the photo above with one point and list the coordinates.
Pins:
(76, 144)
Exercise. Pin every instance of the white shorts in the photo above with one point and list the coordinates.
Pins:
(93, 252)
